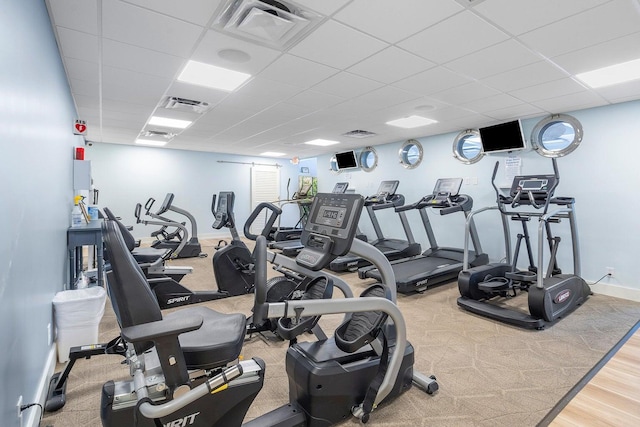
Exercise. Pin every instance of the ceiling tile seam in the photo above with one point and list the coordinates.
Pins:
(137, 6)
(407, 37)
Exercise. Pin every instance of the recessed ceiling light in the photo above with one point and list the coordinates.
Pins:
(151, 142)
(169, 123)
(272, 154)
(322, 142)
(199, 73)
(611, 75)
(411, 122)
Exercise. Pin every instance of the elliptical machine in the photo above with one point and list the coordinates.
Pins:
(196, 380)
(550, 296)
(192, 246)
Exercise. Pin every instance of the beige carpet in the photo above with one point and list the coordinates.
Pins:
(490, 374)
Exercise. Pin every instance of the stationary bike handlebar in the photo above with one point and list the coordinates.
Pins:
(167, 223)
(275, 212)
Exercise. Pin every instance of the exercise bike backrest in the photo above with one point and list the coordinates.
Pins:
(528, 190)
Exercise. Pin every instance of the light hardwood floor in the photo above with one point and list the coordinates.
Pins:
(612, 396)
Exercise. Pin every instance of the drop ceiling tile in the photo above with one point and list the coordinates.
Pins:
(492, 103)
(432, 81)
(621, 92)
(612, 20)
(518, 17)
(322, 45)
(80, 15)
(314, 99)
(465, 93)
(297, 71)
(326, 7)
(140, 27)
(457, 36)
(129, 86)
(219, 119)
(127, 107)
(77, 45)
(516, 112)
(386, 96)
(615, 51)
(390, 65)
(141, 60)
(84, 88)
(548, 90)
(571, 102)
(259, 94)
(198, 11)
(351, 108)
(82, 70)
(208, 51)
(449, 113)
(494, 59)
(346, 85)
(529, 75)
(393, 22)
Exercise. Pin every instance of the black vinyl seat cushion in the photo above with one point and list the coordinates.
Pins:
(217, 342)
(148, 255)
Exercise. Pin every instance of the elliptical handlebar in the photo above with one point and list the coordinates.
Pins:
(275, 212)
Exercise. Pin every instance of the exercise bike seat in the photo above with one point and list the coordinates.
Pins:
(217, 342)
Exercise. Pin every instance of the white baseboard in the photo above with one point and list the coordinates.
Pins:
(616, 291)
(32, 416)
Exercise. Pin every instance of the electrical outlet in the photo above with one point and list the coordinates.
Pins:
(611, 271)
(19, 406)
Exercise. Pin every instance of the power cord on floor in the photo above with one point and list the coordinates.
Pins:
(606, 275)
(29, 405)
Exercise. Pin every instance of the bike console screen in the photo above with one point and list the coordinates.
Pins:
(331, 227)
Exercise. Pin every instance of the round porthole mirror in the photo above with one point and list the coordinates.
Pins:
(410, 154)
(368, 159)
(333, 165)
(556, 135)
(467, 146)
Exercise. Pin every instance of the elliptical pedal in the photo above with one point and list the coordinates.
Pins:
(495, 285)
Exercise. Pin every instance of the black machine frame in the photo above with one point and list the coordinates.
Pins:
(551, 296)
(436, 265)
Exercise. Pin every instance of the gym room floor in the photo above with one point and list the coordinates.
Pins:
(489, 374)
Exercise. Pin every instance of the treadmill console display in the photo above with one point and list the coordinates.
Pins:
(388, 188)
(329, 232)
(340, 188)
(448, 185)
(536, 185)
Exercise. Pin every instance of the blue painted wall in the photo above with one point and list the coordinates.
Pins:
(36, 140)
(601, 174)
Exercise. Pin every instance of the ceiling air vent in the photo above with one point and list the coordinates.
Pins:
(273, 23)
(184, 104)
(359, 134)
(157, 134)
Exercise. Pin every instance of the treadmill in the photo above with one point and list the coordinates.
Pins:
(436, 265)
(393, 249)
(291, 248)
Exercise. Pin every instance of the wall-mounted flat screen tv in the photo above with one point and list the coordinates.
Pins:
(502, 137)
(346, 160)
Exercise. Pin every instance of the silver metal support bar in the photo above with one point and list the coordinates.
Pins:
(406, 227)
(374, 222)
(192, 220)
(170, 407)
(541, 229)
(276, 165)
(368, 252)
(183, 241)
(467, 234)
(428, 229)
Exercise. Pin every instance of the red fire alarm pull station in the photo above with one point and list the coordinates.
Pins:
(80, 127)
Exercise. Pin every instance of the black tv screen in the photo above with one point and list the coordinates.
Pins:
(502, 137)
(346, 160)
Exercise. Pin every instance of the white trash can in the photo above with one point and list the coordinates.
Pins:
(77, 315)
